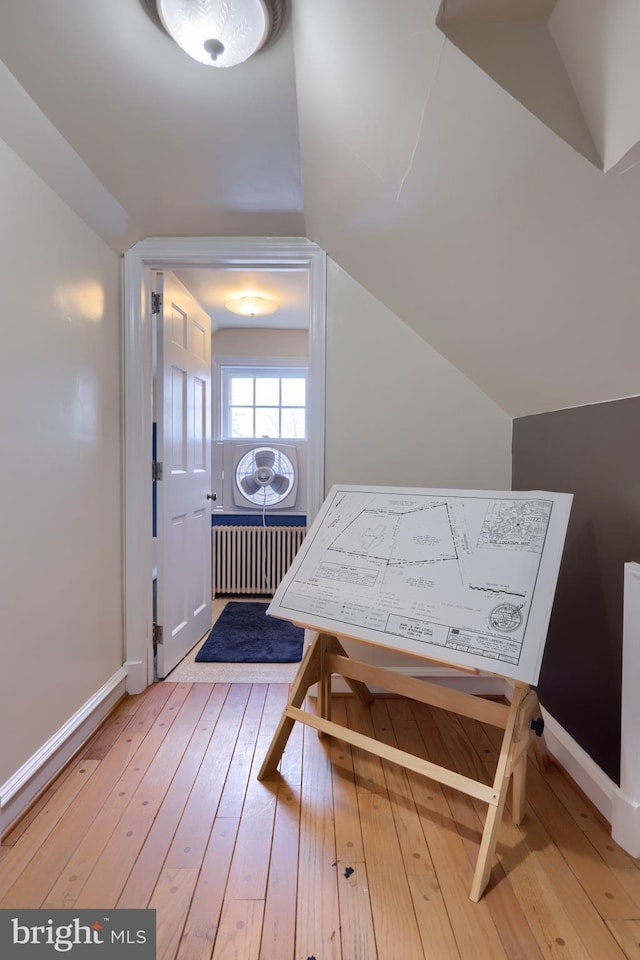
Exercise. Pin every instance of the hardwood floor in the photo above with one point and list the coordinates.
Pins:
(339, 856)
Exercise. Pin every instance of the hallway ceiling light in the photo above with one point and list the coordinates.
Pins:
(221, 33)
(251, 306)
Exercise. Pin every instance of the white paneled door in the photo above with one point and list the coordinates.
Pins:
(183, 414)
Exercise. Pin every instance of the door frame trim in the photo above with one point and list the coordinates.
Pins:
(173, 253)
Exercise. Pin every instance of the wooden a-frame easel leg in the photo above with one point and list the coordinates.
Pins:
(308, 674)
(512, 764)
(513, 730)
(325, 646)
(312, 670)
(524, 737)
(331, 645)
(538, 743)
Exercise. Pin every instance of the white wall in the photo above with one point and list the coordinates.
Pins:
(260, 343)
(397, 412)
(60, 550)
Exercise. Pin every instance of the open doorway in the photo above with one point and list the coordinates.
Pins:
(255, 466)
(197, 258)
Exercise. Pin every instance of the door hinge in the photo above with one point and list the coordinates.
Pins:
(156, 302)
(156, 470)
(157, 634)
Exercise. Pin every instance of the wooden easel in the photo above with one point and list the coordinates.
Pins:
(326, 656)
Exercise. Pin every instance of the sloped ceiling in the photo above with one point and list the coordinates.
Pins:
(513, 44)
(413, 165)
(502, 246)
(572, 63)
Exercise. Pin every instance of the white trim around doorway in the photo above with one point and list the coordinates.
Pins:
(174, 253)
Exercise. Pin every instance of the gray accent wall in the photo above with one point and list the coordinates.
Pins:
(592, 452)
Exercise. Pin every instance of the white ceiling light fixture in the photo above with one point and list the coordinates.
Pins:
(221, 33)
(251, 306)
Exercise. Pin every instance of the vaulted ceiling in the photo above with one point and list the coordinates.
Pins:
(471, 163)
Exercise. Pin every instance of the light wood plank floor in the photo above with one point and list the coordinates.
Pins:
(340, 857)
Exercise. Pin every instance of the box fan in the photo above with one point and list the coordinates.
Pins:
(260, 475)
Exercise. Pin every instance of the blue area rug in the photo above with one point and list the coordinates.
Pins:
(243, 633)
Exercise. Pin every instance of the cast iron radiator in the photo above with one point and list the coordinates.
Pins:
(252, 560)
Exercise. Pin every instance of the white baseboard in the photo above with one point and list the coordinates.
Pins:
(22, 788)
(593, 781)
(620, 810)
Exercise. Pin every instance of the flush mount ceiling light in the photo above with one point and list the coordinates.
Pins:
(251, 306)
(221, 33)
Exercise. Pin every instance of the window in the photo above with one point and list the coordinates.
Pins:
(264, 401)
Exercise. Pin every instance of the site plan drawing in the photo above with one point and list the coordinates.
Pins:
(464, 577)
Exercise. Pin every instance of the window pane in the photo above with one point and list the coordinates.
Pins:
(242, 390)
(293, 392)
(293, 423)
(241, 422)
(256, 398)
(267, 422)
(267, 391)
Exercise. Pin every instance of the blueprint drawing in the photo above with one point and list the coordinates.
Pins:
(465, 577)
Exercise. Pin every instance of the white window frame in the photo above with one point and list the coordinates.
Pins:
(253, 366)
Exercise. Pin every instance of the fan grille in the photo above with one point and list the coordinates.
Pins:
(264, 476)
